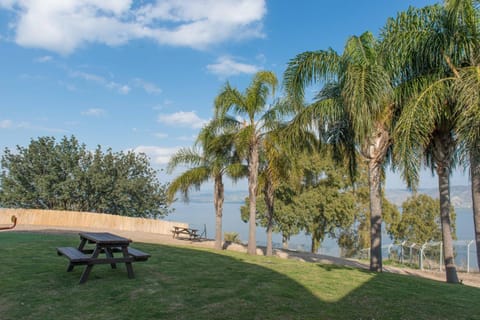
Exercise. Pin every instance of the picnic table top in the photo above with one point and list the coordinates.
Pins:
(104, 238)
(185, 228)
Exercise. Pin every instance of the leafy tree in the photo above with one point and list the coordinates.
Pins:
(285, 219)
(211, 159)
(316, 201)
(356, 238)
(65, 176)
(258, 119)
(420, 221)
(353, 110)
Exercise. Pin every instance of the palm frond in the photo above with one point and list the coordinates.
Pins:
(185, 156)
(229, 98)
(190, 179)
(308, 68)
(467, 90)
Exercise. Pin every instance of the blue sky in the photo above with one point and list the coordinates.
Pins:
(142, 75)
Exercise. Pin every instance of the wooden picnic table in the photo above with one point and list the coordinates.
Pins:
(104, 243)
(191, 233)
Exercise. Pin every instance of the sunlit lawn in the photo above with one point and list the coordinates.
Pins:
(186, 283)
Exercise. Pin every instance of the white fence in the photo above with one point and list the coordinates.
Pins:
(429, 256)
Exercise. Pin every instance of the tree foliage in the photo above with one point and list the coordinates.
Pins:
(212, 159)
(66, 176)
(317, 200)
(357, 237)
(420, 222)
(258, 118)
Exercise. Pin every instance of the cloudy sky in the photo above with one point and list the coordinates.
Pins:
(142, 75)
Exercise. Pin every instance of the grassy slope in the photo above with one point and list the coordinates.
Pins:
(185, 283)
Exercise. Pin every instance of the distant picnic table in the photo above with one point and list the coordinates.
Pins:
(191, 233)
(105, 243)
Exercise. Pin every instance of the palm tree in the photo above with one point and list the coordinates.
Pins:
(466, 84)
(467, 87)
(253, 106)
(353, 111)
(276, 163)
(428, 46)
(212, 157)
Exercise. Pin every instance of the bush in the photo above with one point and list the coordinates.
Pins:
(232, 237)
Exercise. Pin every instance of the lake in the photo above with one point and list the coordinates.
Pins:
(200, 214)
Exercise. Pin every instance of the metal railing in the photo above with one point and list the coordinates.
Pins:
(429, 256)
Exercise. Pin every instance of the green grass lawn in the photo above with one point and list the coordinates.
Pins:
(187, 283)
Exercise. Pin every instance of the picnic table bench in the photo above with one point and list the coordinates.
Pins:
(105, 243)
(191, 233)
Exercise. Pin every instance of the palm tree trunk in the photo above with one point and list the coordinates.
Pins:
(475, 176)
(269, 201)
(315, 244)
(442, 153)
(218, 198)
(444, 189)
(375, 152)
(252, 195)
(285, 239)
(374, 178)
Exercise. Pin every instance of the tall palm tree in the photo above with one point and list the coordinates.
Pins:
(428, 46)
(467, 87)
(353, 111)
(466, 84)
(253, 106)
(212, 157)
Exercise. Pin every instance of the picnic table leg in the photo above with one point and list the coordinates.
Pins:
(89, 267)
(109, 254)
(82, 244)
(86, 273)
(128, 264)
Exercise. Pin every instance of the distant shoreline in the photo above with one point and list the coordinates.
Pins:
(460, 196)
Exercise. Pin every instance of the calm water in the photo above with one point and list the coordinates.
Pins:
(199, 214)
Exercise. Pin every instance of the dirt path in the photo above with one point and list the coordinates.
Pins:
(470, 279)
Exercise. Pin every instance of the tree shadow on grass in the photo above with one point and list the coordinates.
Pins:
(186, 283)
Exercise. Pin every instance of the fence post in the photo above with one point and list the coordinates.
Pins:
(401, 251)
(421, 255)
(411, 255)
(468, 255)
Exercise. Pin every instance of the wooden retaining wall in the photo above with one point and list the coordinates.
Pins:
(72, 219)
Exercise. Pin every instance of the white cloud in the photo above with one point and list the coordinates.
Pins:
(160, 135)
(69, 25)
(43, 59)
(90, 77)
(157, 155)
(25, 125)
(226, 66)
(5, 124)
(68, 86)
(94, 112)
(183, 119)
(149, 87)
(187, 138)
